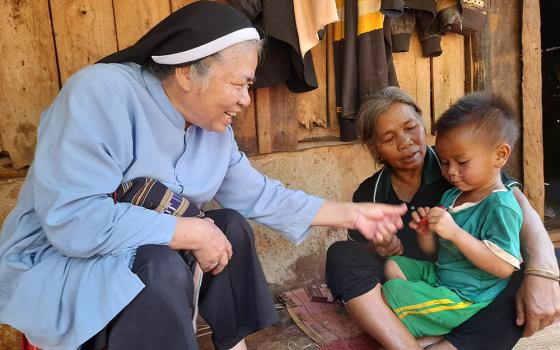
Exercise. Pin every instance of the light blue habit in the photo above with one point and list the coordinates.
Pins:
(66, 249)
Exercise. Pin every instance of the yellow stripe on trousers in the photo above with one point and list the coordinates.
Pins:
(457, 306)
(425, 304)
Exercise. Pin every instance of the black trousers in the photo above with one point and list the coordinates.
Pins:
(353, 269)
(235, 303)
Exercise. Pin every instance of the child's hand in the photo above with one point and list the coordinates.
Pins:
(419, 221)
(441, 222)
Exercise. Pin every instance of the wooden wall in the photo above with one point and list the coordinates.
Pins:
(46, 41)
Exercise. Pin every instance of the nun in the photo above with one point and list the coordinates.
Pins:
(78, 269)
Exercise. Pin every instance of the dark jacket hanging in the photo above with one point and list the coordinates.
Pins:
(282, 61)
(405, 15)
(363, 62)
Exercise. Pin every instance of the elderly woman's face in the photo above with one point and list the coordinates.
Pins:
(213, 106)
(400, 139)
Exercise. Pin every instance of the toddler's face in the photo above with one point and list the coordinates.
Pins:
(467, 164)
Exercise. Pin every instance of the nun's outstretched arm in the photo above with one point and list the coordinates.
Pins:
(377, 222)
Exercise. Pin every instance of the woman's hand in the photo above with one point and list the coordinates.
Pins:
(537, 303)
(393, 247)
(208, 243)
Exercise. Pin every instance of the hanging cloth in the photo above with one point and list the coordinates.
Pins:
(363, 59)
(283, 61)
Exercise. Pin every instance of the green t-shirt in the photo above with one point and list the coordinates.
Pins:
(496, 220)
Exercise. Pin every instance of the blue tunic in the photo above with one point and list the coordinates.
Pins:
(66, 248)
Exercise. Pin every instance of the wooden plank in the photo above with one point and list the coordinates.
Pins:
(332, 120)
(504, 24)
(276, 120)
(177, 4)
(325, 128)
(413, 74)
(479, 55)
(245, 129)
(84, 33)
(133, 18)
(310, 107)
(28, 78)
(448, 74)
(533, 158)
(264, 123)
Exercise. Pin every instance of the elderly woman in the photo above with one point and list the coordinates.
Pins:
(392, 129)
(78, 267)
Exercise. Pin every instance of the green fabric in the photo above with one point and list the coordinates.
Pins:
(425, 308)
(497, 219)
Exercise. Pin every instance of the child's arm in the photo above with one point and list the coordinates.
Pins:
(427, 240)
(476, 251)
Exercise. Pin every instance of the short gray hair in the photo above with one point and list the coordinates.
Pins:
(202, 69)
(378, 104)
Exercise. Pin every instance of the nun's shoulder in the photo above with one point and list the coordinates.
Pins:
(101, 74)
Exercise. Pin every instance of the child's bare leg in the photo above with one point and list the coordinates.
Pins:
(429, 340)
(393, 271)
(441, 345)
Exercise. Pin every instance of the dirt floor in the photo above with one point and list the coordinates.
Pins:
(285, 335)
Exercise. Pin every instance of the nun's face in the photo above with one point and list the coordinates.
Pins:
(216, 101)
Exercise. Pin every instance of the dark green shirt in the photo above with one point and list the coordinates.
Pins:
(496, 220)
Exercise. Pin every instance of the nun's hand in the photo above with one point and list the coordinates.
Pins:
(378, 222)
(208, 243)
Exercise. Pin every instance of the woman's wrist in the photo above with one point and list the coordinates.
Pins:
(541, 262)
(544, 273)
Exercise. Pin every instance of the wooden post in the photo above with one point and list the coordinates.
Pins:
(533, 159)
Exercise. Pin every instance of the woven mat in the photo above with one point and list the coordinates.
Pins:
(547, 339)
(326, 323)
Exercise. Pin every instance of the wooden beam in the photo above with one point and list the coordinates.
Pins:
(533, 159)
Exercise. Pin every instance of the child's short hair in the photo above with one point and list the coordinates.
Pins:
(491, 117)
